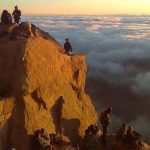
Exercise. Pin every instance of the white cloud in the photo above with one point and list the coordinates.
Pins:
(142, 84)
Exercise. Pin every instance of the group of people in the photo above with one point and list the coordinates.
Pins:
(6, 17)
(45, 141)
(127, 136)
(91, 138)
(24, 30)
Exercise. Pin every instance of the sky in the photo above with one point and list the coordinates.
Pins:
(87, 7)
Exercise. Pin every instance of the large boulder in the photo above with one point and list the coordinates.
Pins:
(34, 73)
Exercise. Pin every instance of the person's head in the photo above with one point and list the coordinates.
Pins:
(130, 129)
(91, 128)
(67, 40)
(16, 7)
(37, 132)
(109, 110)
(5, 12)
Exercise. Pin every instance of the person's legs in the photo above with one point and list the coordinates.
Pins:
(16, 20)
(104, 135)
(67, 52)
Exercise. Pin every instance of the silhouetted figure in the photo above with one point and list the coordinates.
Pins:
(67, 47)
(133, 139)
(6, 17)
(129, 137)
(36, 145)
(105, 121)
(120, 136)
(90, 140)
(16, 14)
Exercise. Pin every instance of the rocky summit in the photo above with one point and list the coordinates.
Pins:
(40, 87)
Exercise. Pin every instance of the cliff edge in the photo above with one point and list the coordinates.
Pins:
(40, 87)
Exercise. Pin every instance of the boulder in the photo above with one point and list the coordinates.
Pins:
(34, 73)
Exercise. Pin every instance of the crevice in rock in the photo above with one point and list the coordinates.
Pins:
(77, 91)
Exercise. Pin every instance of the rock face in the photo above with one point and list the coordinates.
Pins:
(34, 73)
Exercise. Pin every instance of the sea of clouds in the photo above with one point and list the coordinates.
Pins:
(117, 50)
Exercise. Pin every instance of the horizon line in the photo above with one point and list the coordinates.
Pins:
(86, 14)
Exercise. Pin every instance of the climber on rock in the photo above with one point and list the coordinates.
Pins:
(67, 47)
(16, 14)
(121, 133)
(105, 121)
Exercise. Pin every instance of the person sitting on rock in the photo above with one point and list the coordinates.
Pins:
(121, 133)
(16, 14)
(133, 139)
(67, 47)
(137, 141)
(90, 140)
(37, 144)
(6, 17)
(128, 140)
(44, 139)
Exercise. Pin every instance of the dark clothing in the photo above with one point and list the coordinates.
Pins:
(105, 121)
(16, 14)
(105, 118)
(6, 17)
(67, 47)
(120, 136)
(128, 140)
(133, 139)
(105, 130)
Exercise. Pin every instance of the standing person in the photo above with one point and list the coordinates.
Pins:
(67, 47)
(16, 14)
(105, 121)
